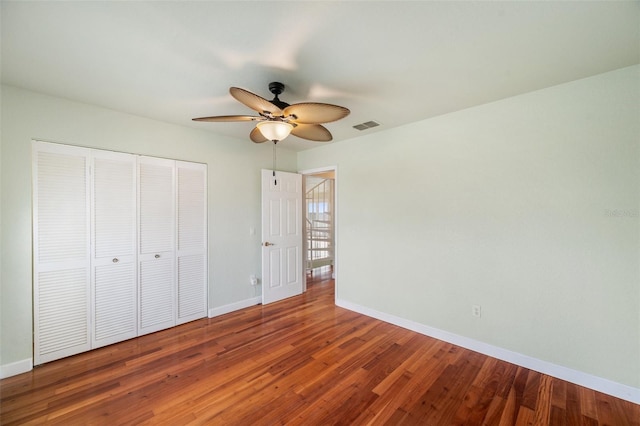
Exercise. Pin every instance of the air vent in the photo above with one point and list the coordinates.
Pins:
(367, 125)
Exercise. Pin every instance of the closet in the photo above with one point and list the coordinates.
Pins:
(120, 247)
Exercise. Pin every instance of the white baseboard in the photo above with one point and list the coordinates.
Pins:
(599, 384)
(221, 310)
(15, 368)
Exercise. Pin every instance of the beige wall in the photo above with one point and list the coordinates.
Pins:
(234, 195)
(527, 206)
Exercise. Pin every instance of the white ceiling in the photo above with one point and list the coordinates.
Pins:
(393, 61)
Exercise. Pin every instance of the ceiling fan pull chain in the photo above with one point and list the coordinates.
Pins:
(275, 182)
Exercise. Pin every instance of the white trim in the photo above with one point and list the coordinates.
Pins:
(236, 306)
(15, 368)
(599, 384)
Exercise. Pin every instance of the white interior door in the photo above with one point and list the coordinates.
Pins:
(282, 274)
(61, 241)
(156, 255)
(191, 236)
(114, 278)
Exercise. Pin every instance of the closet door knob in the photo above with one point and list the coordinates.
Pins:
(115, 260)
(157, 256)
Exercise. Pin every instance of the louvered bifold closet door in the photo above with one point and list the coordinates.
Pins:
(61, 244)
(192, 241)
(114, 278)
(156, 244)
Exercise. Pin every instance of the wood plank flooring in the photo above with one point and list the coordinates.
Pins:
(302, 361)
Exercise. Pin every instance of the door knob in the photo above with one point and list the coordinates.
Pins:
(267, 244)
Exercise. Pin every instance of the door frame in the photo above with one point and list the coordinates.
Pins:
(336, 246)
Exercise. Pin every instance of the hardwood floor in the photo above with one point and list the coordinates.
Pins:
(302, 361)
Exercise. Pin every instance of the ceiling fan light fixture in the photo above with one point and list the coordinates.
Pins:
(277, 119)
(275, 131)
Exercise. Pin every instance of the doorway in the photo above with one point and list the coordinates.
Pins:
(319, 223)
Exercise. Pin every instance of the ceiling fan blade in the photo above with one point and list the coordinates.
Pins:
(255, 102)
(312, 132)
(257, 136)
(224, 118)
(315, 113)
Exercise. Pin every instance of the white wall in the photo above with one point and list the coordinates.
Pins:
(234, 196)
(527, 206)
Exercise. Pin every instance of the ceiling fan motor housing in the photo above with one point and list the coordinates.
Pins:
(277, 88)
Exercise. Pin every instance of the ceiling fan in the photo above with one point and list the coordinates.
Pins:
(277, 119)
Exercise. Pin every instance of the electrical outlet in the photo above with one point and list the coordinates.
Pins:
(253, 280)
(476, 311)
